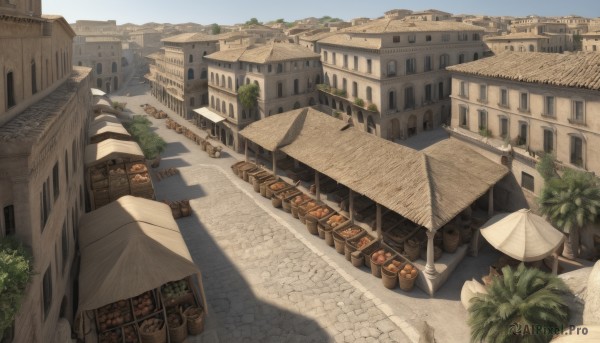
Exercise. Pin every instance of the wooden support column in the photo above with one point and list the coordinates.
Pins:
(378, 221)
(317, 186)
(274, 164)
(491, 202)
(555, 264)
(296, 163)
(246, 149)
(430, 271)
(256, 154)
(351, 206)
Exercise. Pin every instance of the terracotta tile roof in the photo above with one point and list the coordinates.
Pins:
(573, 70)
(263, 54)
(316, 36)
(515, 36)
(399, 26)
(191, 37)
(357, 42)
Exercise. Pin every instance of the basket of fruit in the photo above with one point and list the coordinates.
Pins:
(247, 172)
(177, 326)
(313, 216)
(407, 276)
(341, 235)
(113, 336)
(357, 259)
(411, 249)
(130, 334)
(327, 225)
(136, 167)
(140, 182)
(379, 258)
(252, 175)
(357, 243)
(153, 331)
(144, 304)
(389, 273)
(264, 186)
(278, 196)
(113, 315)
(257, 179)
(306, 207)
(195, 320)
(286, 202)
(296, 201)
(275, 187)
(370, 249)
(176, 292)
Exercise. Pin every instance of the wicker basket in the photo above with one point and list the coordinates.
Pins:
(451, 240)
(339, 240)
(286, 203)
(357, 259)
(178, 334)
(407, 284)
(411, 249)
(277, 198)
(159, 336)
(352, 244)
(264, 188)
(376, 268)
(312, 222)
(269, 192)
(369, 250)
(195, 320)
(389, 278)
(306, 207)
(294, 206)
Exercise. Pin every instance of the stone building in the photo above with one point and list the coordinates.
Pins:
(286, 74)
(533, 37)
(311, 39)
(429, 15)
(178, 73)
(389, 75)
(104, 54)
(96, 27)
(590, 41)
(45, 104)
(576, 25)
(536, 102)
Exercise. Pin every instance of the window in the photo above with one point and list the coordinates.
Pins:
(504, 97)
(396, 39)
(428, 64)
(578, 111)
(441, 90)
(354, 89)
(522, 138)
(9, 220)
(333, 58)
(334, 81)
(531, 48)
(114, 67)
(392, 100)
(279, 68)
(192, 102)
(325, 56)
(345, 61)
(45, 203)
(428, 38)
(344, 84)
(577, 151)
(10, 90)
(55, 181)
(503, 127)
(391, 68)
(411, 66)
(65, 245)
(279, 90)
(191, 58)
(355, 66)
(482, 116)
(444, 61)
(270, 67)
(33, 78)
(99, 68)
(548, 141)
(231, 112)
(482, 93)
(229, 83)
(461, 58)
(524, 102)
(475, 56)
(463, 36)
(212, 77)
(190, 73)
(527, 181)
(369, 94)
(464, 89)
(476, 36)
(549, 106)
(409, 98)
(445, 37)
(428, 93)
(412, 38)
(369, 66)
(47, 290)
(296, 86)
(463, 118)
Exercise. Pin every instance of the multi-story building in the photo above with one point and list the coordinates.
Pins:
(576, 25)
(45, 104)
(104, 54)
(429, 15)
(590, 41)
(537, 102)
(286, 74)
(96, 27)
(389, 75)
(397, 14)
(533, 37)
(311, 39)
(178, 73)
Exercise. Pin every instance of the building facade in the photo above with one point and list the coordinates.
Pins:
(179, 72)
(534, 37)
(45, 104)
(528, 100)
(390, 76)
(286, 75)
(104, 54)
(590, 41)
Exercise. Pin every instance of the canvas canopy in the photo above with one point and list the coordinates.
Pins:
(112, 149)
(105, 117)
(210, 115)
(98, 128)
(128, 247)
(522, 235)
(97, 92)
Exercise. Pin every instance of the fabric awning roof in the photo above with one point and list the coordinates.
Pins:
(522, 235)
(128, 247)
(209, 114)
(97, 92)
(111, 149)
(107, 118)
(97, 128)
(429, 190)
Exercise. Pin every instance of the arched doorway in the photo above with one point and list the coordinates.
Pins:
(99, 83)
(395, 129)
(333, 105)
(230, 140)
(296, 105)
(116, 83)
(311, 101)
(348, 110)
(108, 87)
(360, 117)
(412, 125)
(428, 120)
(223, 136)
(371, 128)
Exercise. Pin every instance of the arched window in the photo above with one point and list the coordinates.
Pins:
(296, 86)
(190, 75)
(297, 105)
(280, 110)
(371, 128)
(99, 68)
(231, 111)
(444, 61)
(212, 77)
(10, 90)
(229, 85)
(191, 58)
(512, 48)
(475, 57)
(369, 94)
(318, 79)
(33, 78)
(391, 68)
(531, 48)
(361, 119)
(392, 100)
(218, 104)
(203, 74)
(334, 85)
(311, 102)
(461, 58)
(223, 107)
(222, 80)
(279, 89)
(212, 101)
(217, 79)
(192, 102)
(79, 63)
(280, 68)
(114, 67)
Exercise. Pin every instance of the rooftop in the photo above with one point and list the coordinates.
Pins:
(573, 70)
(400, 26)
(515, 36)
(191, 37)
(102, 39)
(272, 52)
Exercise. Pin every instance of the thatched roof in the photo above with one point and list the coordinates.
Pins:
(428, 189)
(272, 52)
(575, 70)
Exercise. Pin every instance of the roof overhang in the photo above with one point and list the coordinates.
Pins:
(210, 115)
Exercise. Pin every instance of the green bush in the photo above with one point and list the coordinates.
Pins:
(547, 166)
(485, 132)
(151, 143)
(248, 95)
(359, 102)
(119, 105)
(15, 272)
(340, 92)
(372, 108)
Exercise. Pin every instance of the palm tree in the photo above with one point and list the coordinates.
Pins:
(571, 203)
(522, 298)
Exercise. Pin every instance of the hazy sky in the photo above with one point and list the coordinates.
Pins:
(236, 11)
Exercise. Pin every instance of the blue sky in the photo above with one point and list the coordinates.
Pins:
(236, 11)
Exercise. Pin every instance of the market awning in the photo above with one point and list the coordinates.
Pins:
(97, 92)
(209, 114)
(112, 149)
(107, 118)
(98, 128)
(128, 247)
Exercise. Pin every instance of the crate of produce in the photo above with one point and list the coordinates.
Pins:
(136, 167)
(176, 293)
(117, 171)
(326, 225)
(389, 273)
(140, 182)
(235, 167)
(286, 202)
(113, 336)
(98, 173)
(252, 174)
(256, 176)
(379, 258)
(195, 317)
(296, 201)
(100, 184)
(153, 329)
(407, 276)
(275, 187)
(145, 304)
(113, 315)
(342, 234)
(264, 186)
(244, 168)
(278, 196)
(259, 180)
(358, 243)
(177, 326)
(131, 334)
(313, 216)
(246, 173)
(306, 207)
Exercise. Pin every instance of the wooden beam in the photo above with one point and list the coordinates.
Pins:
(378, 221)
(274, 164)
(351, 205)
(246, 149)
(317, 186)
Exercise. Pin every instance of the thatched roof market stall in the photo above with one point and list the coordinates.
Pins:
(102, 130)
